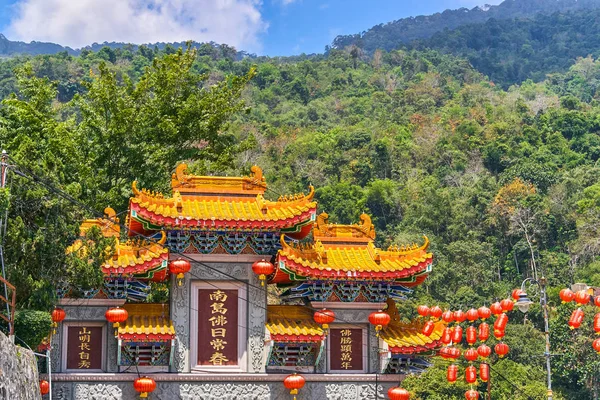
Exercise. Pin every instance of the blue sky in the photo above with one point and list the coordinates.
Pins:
(271, 27)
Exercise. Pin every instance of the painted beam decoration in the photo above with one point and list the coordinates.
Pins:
(218, 327)
(84, 348)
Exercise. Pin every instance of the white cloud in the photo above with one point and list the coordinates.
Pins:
(77, 23)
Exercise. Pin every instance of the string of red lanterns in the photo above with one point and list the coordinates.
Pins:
(582, 297)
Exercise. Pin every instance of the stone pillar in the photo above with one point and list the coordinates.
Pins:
(257, 317)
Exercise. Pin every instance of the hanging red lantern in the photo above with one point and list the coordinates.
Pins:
(484, 351)
(597, 301)
(398, 393)
(498, 334)
(324, 317)
(263, 268)
(501, 321)
(472, 394)
(452, 373)
(516, 293)
(446, 336)
(596, 345)
(582, 297)
(507, 305)
(448, 316)
(472, 314)
(144, 385)
(428, 328)
(597, 324)
(179, 267)
(576, 318)
(58, 315)
(484, 372)
(44, 387)
(483, 332)
(293, 383)
(379, 319)
(501, 349)
(423, 311)
(444, 352)
(435, 312)
(454, 353)
(471, 374)
(471, 335)
(459, 316)
(471, 354)
(116, 315)
(496, 308)
(457, 334)
(484, 312)
(566, 295)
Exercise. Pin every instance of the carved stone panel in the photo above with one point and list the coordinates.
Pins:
(257, 316)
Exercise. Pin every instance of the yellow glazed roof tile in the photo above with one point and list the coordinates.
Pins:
(410, 335)
(292, 323)
(147, 322)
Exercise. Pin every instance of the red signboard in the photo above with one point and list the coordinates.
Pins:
(217, 327)
(84, 347)
(346, 352)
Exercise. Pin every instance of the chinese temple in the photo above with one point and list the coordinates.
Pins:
(257, 289)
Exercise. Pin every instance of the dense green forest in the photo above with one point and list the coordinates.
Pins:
(503, 182)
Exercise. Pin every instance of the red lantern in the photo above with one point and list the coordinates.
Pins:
(445, 352)
(446, 335)
(263, 268)
(448, 316)
(597, 301)
(471, 374)
(507, 305)
(179, 267)
(44, 387)
(423, 311)
(428, 328)
(379, 319)
(472, 395)
(293, 383)
(435, 312)
(576, 318)
(582, 297)
(452, 373)
(516, 293)
(454, 353)
(472, 314)
(498, 334)
(484, 332)
(116, 316)
(58, 315)
(484, 372)
(459, 316)
(484, 312)
(457, 334)
(471, 335)
(501, 349)
(597, 323)
(501, 321)
(596, 345)
(471, 354)
(484, 351)
(566, 295)
(496, 308)
(398, 393)
(324, 317)
(144, 385)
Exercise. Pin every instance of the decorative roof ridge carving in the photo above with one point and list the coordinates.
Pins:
(395, 250)
(184, 182)
(108, 225)
(364, 230)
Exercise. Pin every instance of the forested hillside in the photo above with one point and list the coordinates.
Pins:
(504, 183)
(392, 35)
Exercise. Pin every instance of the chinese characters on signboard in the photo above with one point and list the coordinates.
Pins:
(346, 349)
(217, 327)
(84, 348)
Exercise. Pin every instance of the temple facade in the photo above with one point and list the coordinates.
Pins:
(249, 280)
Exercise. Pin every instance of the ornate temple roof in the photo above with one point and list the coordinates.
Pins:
(147, 322)
(293, 324)
(142, 258)
(348, 252)
(407, 338)
(206, 202)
